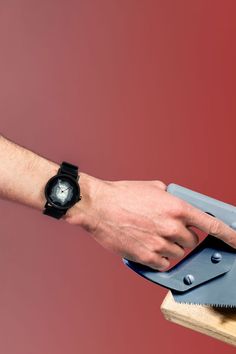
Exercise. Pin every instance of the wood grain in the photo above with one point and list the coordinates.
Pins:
(216, 322)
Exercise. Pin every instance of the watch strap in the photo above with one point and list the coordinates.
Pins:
(52, 211)
(68, 169)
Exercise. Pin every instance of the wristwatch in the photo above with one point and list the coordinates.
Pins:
(62, 191)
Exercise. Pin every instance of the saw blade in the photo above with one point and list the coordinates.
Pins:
(206, 276)
(198, 278)
(219, 292)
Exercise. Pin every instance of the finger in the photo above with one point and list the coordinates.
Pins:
(210, 225)
(157, 262)
(186, 238)
(138, 252)
(150, 259)
(169, 249)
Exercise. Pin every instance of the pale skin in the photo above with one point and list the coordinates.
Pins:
(138, 220)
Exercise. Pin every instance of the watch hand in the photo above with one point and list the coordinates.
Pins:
(66, 189)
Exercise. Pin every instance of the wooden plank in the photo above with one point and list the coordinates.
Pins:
(217, 322)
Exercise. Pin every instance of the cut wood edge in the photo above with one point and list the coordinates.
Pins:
(199, 318)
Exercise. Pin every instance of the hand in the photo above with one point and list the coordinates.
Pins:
(142, 222)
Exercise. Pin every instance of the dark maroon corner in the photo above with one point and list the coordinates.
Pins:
(128, 90)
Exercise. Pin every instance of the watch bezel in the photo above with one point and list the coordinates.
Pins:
(48, 187)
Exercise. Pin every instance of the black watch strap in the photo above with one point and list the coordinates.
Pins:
(51, 211)
(68, 169)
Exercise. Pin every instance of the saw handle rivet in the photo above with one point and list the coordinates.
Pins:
(216, 257)
(188, 279)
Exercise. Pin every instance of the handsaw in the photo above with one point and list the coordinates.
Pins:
(207, 275)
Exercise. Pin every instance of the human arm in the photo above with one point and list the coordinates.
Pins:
(138, 220)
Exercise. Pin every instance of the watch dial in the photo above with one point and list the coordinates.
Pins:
(63, 192)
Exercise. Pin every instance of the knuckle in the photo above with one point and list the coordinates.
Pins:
(231, 241)
(173, 230)
(161, 185)
(194, 243)
(148, 259)
(190, 244)
(159, 246)
(180, 253)
(190, 241)
(178, 208)
(163, 265)
(214, 228)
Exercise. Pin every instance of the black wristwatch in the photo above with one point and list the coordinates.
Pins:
(62, 191)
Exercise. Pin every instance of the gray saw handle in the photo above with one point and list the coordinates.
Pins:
(222, 211)
(198, 263)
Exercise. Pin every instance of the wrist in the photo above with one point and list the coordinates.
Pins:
(80, 213)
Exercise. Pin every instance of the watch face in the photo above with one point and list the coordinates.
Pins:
(62, 191)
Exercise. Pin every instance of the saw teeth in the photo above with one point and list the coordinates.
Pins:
(208, 305)
(224, 305)
(189, 303)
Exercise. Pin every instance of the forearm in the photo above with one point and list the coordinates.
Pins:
(24, 174)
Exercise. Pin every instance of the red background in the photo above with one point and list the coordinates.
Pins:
(128, 89)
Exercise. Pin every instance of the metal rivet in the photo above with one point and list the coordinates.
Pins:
(216, 257)
(188, 279)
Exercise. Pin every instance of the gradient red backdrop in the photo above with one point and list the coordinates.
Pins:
(128, 89)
